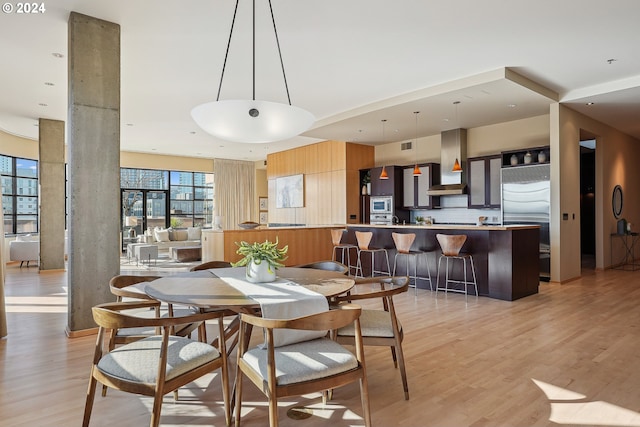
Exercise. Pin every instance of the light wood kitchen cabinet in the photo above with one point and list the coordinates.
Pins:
(331, 183)
(483, 180)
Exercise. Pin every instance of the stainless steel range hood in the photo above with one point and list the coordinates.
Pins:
(453, 145)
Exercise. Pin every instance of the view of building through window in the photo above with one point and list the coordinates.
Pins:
(19, 194)
(150, 198)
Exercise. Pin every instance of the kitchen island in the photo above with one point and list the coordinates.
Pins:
(306, 243)
(506, 258)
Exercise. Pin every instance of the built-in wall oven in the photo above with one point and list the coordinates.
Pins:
(381, 211)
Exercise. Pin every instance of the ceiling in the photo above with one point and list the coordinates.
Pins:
(350, 63)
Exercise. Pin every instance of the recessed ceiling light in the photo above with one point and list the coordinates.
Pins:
(590, 103)
(49, 84)
(57, 55)
(511, 105)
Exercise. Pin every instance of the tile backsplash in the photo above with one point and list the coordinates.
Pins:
(453, 210)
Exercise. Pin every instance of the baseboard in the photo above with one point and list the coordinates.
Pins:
(80, 333)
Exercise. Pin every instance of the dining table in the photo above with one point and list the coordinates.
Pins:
(214, 289)
(217, 289)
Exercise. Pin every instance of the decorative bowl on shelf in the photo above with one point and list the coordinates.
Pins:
(248, 225)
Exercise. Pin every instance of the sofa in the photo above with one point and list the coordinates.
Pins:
(24, 248)
(166, 238)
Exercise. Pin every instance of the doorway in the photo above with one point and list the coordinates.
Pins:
(142, 209)
(588, 201)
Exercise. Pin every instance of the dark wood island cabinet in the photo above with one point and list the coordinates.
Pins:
(506, 257)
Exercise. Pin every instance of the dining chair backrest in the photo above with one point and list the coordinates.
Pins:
(364, 238)
(123, 280)
(326, 266)
(451, 244)
(403, 241)
(210, 264)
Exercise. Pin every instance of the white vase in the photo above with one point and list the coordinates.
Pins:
(368, 188)
(542, 157)
(514, 160)
(527, 158)
(260, 273)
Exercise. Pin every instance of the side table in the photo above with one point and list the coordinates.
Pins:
(629, 241)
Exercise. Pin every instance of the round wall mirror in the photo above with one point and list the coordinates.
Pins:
(616, 201)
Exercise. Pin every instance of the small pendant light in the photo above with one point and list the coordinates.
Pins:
(416, 168)
(383, 174)
(456, 165)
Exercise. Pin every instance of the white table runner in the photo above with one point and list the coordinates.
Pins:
(281, 299)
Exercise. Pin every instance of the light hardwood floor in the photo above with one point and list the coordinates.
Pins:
(569, 355)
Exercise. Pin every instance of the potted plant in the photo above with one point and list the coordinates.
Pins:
(366, 183)
(419, 220)
(261, 260)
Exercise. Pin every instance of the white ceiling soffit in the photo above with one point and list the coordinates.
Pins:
(489, 98)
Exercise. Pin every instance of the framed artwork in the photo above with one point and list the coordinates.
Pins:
(264, 203)
(290, 191)
(263, 218)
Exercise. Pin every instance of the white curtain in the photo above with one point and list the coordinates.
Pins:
(3, 257)
(234, 191)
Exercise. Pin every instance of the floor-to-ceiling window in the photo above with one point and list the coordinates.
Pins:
(160, 198)
(19, 194)
(192, 199)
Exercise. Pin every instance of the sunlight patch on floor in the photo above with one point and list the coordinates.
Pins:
(585, 412)
(48, 304)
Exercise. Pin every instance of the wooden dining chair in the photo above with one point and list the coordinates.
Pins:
(157, 364)
(295, 369)
(326, 266)
(118, 286)
(210, 264)
(380, 326)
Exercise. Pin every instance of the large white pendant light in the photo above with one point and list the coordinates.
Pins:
(253, 121)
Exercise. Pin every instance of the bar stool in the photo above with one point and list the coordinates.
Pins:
(336, 237)
(403, 242)
(364, 238)
(451, 245)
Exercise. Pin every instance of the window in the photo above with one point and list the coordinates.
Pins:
(191, 199)
(189, 196)
(19, 181)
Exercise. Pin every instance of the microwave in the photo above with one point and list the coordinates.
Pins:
(381, 204)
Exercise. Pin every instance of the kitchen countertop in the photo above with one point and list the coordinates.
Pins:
(451, 226)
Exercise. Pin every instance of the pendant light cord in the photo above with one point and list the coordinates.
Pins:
(226, 55)
(275, 30)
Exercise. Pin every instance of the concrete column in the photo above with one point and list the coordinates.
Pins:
(94, 166)
(51, 178)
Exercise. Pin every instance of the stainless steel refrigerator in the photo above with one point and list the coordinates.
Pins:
(526, 199)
